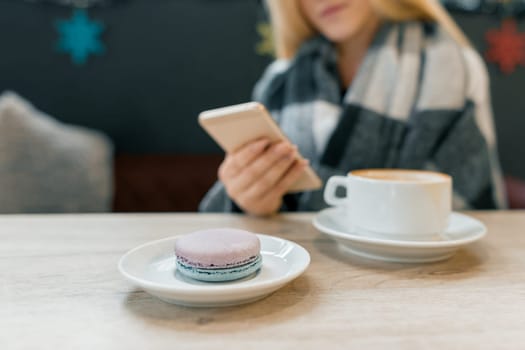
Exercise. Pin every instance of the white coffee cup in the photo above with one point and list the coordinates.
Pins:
(392, 202)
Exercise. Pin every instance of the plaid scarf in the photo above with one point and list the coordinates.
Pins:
(418, 101)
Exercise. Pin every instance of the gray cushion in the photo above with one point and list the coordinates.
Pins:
(47, 166)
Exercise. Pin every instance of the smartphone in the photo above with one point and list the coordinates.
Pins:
(234, 126)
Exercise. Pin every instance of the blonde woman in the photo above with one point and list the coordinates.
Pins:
(366, 84)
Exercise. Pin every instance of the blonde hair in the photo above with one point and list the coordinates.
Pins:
(291, 28)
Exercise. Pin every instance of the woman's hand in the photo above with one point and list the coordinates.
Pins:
(258, 175)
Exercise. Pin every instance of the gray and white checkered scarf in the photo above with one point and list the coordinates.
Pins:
(418, 101)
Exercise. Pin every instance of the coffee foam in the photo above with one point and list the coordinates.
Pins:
(397, 175)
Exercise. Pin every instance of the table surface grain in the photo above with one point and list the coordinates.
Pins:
(60, 289)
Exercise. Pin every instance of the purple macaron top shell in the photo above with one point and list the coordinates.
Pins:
(217, 248)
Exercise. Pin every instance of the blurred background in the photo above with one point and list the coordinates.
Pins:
(158, 63)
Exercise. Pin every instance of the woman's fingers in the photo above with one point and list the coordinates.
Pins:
(288, 179)
(234, 162)
(268, 179)
(269, 196)
(271, 200)
(259, 173)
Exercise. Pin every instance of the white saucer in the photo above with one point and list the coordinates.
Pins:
(462, 230)
(152, 267)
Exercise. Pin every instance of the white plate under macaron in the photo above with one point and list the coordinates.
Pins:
(152, 266)
(462, 230)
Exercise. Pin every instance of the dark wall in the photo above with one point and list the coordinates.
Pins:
(508, 98)
(167, 60)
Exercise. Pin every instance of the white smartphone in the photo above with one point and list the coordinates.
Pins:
(234, 126)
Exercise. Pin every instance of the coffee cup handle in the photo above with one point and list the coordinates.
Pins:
(331, 186)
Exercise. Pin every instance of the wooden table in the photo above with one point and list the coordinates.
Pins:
(60, 289)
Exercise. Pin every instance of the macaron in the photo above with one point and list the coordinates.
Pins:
(218, 255)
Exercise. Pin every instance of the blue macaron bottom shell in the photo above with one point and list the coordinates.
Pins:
(220, 275)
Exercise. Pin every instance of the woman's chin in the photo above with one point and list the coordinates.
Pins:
(340, 34)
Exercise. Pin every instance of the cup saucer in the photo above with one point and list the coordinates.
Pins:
(152, 266)
(462, 230)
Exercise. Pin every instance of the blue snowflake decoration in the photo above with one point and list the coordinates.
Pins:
(80, 37)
